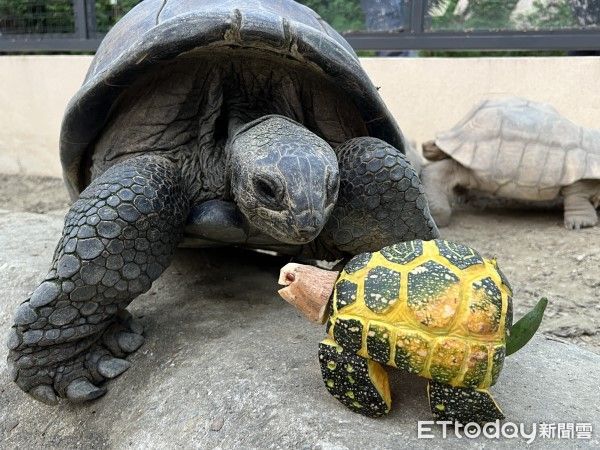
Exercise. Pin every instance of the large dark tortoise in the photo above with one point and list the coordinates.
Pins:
(220, 122)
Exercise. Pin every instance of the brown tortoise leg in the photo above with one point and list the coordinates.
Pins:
(71, 334)
(580, 211)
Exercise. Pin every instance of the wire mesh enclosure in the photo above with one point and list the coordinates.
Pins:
(36, 17)
(79, 25)
(109, 12)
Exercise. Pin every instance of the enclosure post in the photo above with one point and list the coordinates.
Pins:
(81, 30)
(90, 13)
(417, 16)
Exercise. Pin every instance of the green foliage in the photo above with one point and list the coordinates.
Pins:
(553, 14)
(343, 15)
(587, 12)
(108, 14)
(522, 331)
(491, 15)
(56, 16)
(37, 16)
(477, 15)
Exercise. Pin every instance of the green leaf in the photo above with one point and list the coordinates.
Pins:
(522, 331)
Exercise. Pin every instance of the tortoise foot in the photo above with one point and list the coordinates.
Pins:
(360, 384)
(77, 370)
(579, 221)
(72, 333)
(580, 204)
(462, 404)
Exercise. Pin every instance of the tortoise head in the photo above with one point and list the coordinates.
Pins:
(284, 178)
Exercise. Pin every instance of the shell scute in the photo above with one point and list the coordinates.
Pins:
(433, 295)
(447, 358)
(497, 362)
(458, 254)
(382, 289)
(575, 165)
(476, 366)
(412, 350)
(506, 167)
(503, 278)
(484, 307)
(379, 337)
(404, 252)
(508, 321)
(345, 293)
(347, 332)
(358, 262)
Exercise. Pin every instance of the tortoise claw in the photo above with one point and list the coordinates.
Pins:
(112, 367)
(129, 342)
(45, 394)
(136, 326)
(81, 390)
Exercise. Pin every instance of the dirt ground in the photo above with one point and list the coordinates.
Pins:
(538, 255)
(32, 194)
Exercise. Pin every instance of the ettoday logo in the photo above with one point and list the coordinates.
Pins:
(430, 429)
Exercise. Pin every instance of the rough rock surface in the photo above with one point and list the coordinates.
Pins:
(228, 364)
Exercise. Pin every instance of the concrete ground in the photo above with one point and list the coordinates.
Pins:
(228, 364)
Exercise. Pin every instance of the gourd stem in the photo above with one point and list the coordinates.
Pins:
(308, 288)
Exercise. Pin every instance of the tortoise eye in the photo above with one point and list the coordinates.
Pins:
(264, 189)
(267, 190)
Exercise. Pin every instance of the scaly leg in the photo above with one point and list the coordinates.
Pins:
(381, 200)
(71, 334)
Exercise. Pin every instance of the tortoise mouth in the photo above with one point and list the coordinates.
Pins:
(299, 237)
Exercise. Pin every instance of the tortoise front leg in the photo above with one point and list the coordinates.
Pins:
(580, 212)
(71, 334)
(381, 200)
(360, 384)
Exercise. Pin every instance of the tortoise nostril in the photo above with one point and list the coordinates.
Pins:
(309, 223)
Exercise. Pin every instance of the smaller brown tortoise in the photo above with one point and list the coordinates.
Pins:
(519, 149)
(437, 309)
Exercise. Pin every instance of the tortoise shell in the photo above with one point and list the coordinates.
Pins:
(434, 308)
(522, 149)
(155, 32)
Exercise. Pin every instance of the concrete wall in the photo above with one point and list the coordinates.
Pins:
(424, 94)
(34, 91)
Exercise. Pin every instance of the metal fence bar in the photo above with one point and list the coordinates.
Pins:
(505, 40)
(417, 16)
(41, 43)
(86, 38)
(90, 15)
(80, 19)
